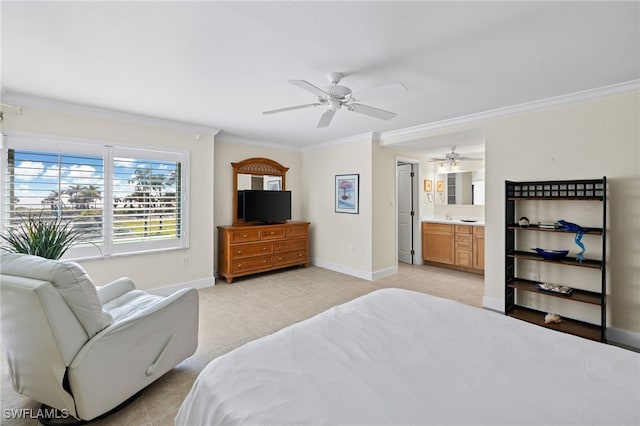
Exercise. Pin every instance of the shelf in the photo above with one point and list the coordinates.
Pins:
(522, 198)
(594, 198)
(569, 261)
(579, 328)
(591, 189)
(576, 295)
(587, 230)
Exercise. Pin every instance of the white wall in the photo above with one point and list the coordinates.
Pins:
(585, 140)
(147, 270)
(339, 241)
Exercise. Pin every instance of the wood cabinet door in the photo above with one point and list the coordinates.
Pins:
(478, 251)
(438, 243)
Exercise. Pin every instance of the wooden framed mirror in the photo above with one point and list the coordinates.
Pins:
(256, 173)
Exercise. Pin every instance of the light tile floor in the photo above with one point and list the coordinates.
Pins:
(231, 315)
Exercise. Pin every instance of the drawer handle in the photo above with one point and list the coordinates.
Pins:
(272, 232)
(279, 258)
(239, 265)
(264, 248)
(299, 254)
(264, 261)
(244, 236)
(239, 251)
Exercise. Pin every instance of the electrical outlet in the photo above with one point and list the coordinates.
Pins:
(184, 260)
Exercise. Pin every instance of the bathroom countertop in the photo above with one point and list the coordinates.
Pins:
(454, 221)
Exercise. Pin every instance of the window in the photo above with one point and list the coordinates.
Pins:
(124, 200)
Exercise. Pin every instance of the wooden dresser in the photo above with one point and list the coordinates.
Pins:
(249, 249)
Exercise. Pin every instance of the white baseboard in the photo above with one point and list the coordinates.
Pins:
(493, 303)
(170, 289)
(387, 272)
(365, 275)
(623, 337)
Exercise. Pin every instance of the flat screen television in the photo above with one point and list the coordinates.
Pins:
(264, 206)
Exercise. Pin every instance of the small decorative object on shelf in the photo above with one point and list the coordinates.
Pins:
(579, 230)
(552, 318)
(551, 254)
(556, 288)
(524, 222)
(555, 225)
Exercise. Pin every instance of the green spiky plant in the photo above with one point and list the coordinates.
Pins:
(45, 237)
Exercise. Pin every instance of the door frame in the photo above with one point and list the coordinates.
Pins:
(416, 231)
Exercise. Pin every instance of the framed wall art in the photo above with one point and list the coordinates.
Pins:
(347, 193)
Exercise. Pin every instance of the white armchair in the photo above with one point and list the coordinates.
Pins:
(83, 349)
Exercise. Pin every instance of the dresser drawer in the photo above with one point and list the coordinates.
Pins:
(478, 230)
(466, 238)
(288, 245)
(253, 249)
(290, 257)
(258, 262)
(273, 233)
(297, 231)
(245, 235)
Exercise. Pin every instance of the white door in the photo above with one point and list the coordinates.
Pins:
(405, 213)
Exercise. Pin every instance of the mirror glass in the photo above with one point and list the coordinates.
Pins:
(462, 188)
(264, 182)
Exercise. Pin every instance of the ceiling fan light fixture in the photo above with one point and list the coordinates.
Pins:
(335, 97)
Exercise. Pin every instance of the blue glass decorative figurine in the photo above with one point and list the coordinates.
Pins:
(579, 230)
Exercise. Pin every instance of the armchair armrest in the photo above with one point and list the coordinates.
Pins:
(115, 289)
(136, 350)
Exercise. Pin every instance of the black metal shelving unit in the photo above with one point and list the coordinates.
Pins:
(561, 191)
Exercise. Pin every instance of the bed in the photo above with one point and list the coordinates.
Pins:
(399, 357)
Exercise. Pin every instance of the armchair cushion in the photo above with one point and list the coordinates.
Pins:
(71, 281)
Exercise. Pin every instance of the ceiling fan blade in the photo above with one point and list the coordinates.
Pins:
(386, 91)
(305, 85)
(469, 159)
(326, 118)
(274, 111)
(371, 111)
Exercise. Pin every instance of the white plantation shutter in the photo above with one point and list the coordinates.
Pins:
(54, 185)
(147, 194)
(124, 200)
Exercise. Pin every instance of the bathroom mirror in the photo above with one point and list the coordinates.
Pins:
(462, 188)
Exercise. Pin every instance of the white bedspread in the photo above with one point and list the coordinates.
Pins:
(398, 357)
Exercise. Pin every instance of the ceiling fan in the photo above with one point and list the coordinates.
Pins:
(452, 158)
(335, 97)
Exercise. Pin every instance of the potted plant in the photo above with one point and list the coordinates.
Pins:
(45, 237)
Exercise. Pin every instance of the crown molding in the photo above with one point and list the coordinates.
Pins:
(368, 136)
(231, 138)
(32, 101)
(401, 135)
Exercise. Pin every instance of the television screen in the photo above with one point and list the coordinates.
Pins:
(265, 206)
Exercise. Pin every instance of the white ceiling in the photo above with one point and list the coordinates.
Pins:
(221, 64)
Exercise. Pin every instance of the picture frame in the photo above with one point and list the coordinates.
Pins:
(273, 185)
(440, 186)
(428, 185)
(347, 193)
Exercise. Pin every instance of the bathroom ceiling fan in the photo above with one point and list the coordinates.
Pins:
(335, 96)
(452, 158)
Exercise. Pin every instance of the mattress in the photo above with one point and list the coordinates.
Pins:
(399, 357)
